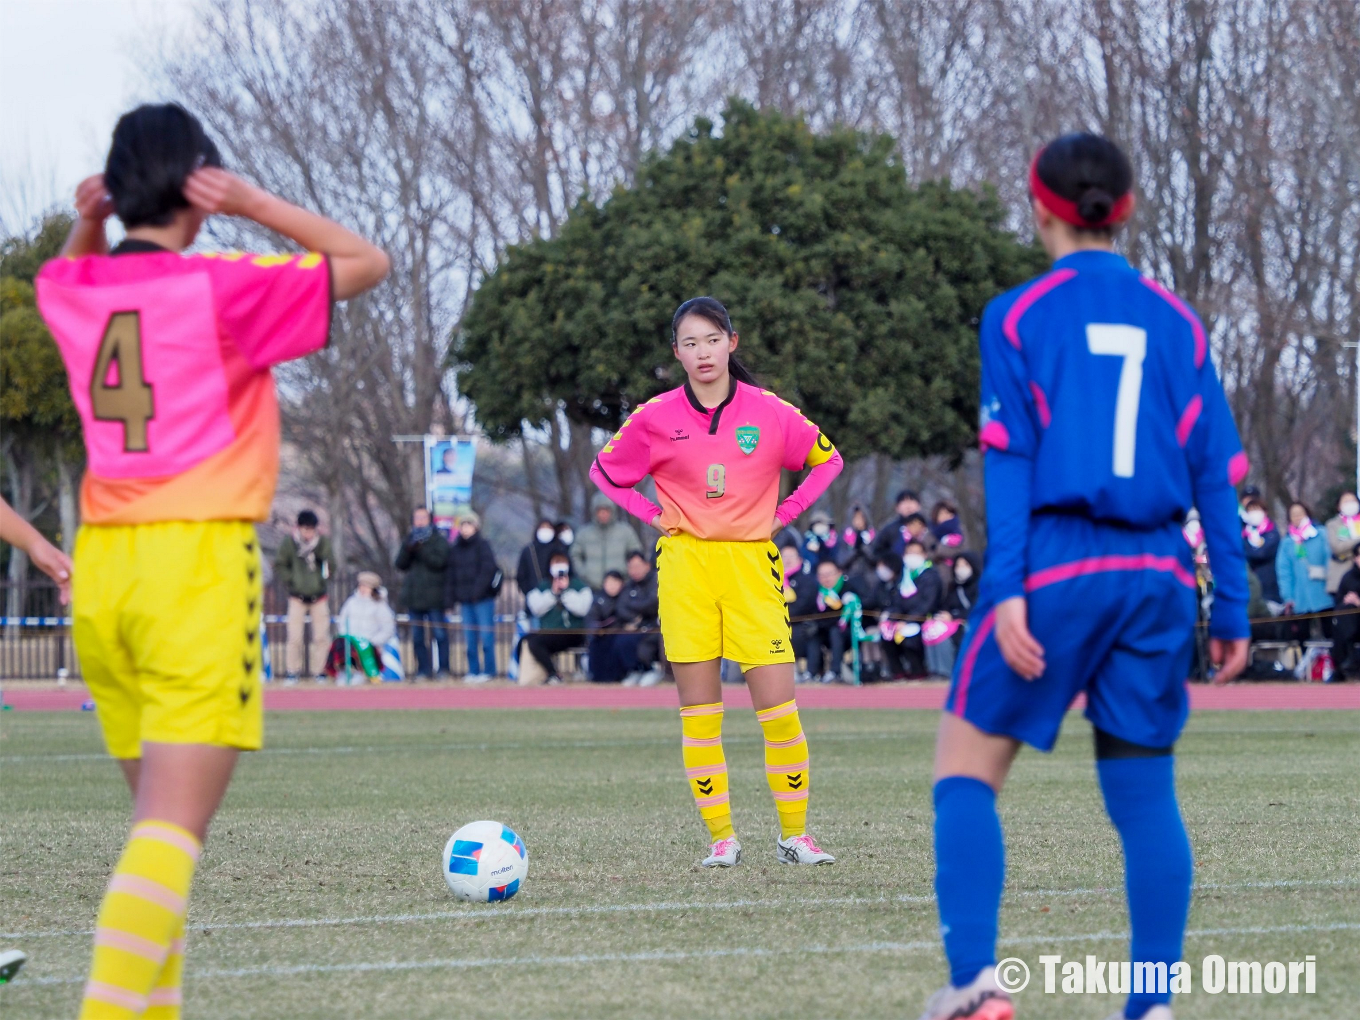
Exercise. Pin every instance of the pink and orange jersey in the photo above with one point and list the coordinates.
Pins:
(716, 471)
(169, 361)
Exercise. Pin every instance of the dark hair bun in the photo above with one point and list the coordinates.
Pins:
(155, 148)
(1094, 205)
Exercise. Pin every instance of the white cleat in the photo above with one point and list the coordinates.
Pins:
(632, 679)
(801, 850)
(1155, 1013)
(476, 678)
(726, 853)
(10, 962)
(981, 999)
(650, 678)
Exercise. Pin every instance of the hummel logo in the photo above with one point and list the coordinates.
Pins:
(777, 643)
(795, 780)
(679, 435)
(705, 786)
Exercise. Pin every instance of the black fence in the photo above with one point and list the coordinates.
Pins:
(35, 640)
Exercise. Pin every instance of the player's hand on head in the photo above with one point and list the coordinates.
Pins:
(1230, 657)
(1018, 647)
(56, 565)
(215, 191)
(93, 201)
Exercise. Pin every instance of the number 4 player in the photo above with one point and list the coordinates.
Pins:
(1103, 423)
(169, 359)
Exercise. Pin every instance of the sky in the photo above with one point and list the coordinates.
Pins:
(68, 68)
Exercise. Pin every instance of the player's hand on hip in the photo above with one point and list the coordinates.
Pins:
(656, 523)
(213, 190)
(1230, 657)
(1018, 647)
(93, 201)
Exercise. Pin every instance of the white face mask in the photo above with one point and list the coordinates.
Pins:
(820, 530)
(1350, 508)
(884, 573)
(566, 536)
(914, 561)
(963, 574)
(1256, 518)
(544, 535)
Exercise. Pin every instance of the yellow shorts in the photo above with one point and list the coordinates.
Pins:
(167, 628)
(722, 600)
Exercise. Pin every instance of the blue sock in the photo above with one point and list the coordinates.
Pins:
(1140, 796)
(970, 870)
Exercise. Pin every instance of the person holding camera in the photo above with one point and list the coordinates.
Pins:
(560, 604)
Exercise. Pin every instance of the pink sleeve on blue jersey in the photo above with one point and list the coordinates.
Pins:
(625, 460)
(1217, 462)
(275, 307)
(1009, 438)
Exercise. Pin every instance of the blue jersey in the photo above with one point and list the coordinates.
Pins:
(1099, 400)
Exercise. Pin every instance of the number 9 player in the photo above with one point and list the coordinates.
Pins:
(169, 359)
(1103, 423)
(715, 448)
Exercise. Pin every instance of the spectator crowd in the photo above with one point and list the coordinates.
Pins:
(867, 602)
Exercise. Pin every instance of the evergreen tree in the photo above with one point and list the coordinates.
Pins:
(856, 296)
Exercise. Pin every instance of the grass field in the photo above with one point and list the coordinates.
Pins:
(320, 893)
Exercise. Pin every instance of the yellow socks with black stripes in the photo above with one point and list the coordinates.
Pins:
(705, 766)
(786, 766)
(139, 935)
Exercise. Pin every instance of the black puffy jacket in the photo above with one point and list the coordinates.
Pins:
(471, 571)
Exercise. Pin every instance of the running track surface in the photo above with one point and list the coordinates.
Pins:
(1242, 697)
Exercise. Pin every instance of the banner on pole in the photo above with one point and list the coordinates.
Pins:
(448, 477)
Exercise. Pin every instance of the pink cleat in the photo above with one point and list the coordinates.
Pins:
(726, 853)
(801, 850)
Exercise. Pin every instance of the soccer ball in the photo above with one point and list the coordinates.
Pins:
(485, 862)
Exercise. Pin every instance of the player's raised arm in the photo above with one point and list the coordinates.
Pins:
(93, 207)
(357, 265)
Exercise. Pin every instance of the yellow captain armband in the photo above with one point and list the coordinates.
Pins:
(821, 452)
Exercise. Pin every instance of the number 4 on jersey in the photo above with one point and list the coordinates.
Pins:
(1129, 343)
(129, 400)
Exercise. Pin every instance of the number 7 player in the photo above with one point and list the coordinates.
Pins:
(169, 359)
(1103, 423)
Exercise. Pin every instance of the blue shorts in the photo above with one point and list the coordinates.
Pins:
(1115, 611)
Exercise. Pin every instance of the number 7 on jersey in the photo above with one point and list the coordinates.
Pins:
(1129, 343)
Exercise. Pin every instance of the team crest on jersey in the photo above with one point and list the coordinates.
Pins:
(747, 438)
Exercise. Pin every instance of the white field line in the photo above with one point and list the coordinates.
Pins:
(548, 745)
(513, 912)
(666, 956)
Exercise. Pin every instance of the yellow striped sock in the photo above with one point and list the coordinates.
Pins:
(786, 766)
(142, 911)
(705, 766)
(166, 998)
